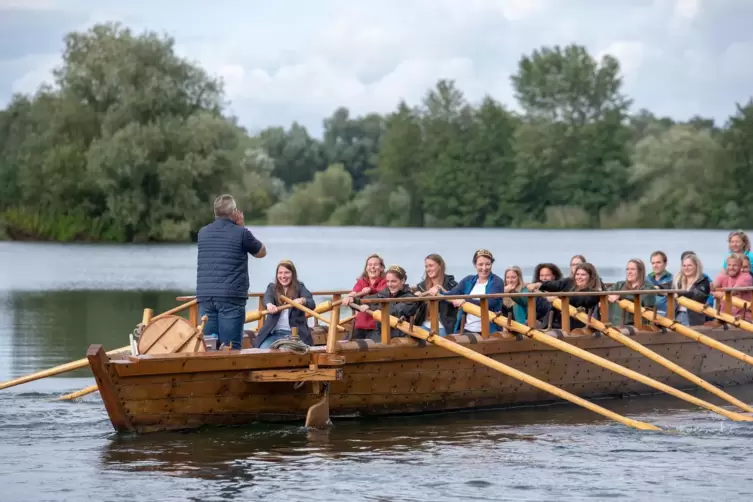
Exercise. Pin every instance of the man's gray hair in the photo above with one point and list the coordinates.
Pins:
(224, 205)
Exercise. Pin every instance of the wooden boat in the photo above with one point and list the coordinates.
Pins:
(159, 392)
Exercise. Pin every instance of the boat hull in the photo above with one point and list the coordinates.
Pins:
(183, 391)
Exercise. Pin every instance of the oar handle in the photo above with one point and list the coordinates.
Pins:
(308, 311)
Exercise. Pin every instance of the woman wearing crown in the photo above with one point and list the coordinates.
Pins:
(484, 281)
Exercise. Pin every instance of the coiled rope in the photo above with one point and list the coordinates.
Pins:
(294, 346)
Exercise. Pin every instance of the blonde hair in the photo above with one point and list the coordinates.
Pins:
(518, 288)
(679, 282)
(743, 237)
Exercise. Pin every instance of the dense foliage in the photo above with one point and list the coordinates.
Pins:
(131, 143)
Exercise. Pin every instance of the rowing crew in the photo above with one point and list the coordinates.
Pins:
(378, 281)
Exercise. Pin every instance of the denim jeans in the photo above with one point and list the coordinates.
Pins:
(275, 335)
(682, 318)
(226, 317)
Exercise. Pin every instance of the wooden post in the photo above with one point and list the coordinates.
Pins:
(637, 320)
(146, 318)
(531, 321)
(728, 302)
(335, 298)
(385, 310)
(434, 315)
(193, 314)
(260, 322)
(484, 318)
(671, 306)
(565, 314)
(604, 308)
(332, 331)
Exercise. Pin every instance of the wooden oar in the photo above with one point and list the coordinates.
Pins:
(722, 316)
(421, 333)
(742, 304)
(675, 326)
(645, 351)
(255, 315)
(322, 307)
(73, 365)
(537, 335)
(308, 311)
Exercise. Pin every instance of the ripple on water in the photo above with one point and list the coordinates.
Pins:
(563, 454)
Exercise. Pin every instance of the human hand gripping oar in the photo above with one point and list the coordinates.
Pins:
(312, 313)
(255, 315)
(678, 328)
(421, 333)
(537, 335)
(645, 351)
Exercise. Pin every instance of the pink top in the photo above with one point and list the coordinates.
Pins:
(743, 279)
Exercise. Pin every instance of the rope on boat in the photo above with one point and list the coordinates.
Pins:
(294, 346)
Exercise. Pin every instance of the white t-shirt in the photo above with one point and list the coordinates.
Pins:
(283, 322)
(473, 323)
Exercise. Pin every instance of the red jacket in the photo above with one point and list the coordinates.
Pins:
(364, 319)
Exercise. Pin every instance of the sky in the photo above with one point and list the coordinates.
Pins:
(297, 60)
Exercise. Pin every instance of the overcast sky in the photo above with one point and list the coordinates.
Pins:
(286, 60)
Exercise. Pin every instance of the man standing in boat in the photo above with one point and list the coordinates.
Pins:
(222, 272)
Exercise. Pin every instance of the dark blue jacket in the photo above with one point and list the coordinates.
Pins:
(495, 284)
(222, 264)
(297, 317)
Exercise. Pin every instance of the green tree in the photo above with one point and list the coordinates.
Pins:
(130, 144)
(677, 176)
(313, 203)
(573, 149)
(354, 143)
(401, 159)
(737, 141)
(297, 156)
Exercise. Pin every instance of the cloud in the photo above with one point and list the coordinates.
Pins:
(296, 61)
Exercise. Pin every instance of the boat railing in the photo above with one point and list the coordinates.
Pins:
(639, 323)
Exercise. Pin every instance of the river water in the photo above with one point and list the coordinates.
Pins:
(57, 299)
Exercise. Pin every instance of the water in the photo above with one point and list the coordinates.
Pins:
(57, 299)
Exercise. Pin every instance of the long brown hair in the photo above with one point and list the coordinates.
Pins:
(641, 273)
(428, 283)
(293, 290)
(365, 273)
(594, 282)
(582, 260)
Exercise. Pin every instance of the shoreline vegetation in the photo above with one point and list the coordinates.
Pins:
(131, 143)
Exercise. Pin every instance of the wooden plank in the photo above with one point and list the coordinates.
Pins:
(108, 390)
(305, 375)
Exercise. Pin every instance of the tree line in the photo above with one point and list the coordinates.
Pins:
(131, 143)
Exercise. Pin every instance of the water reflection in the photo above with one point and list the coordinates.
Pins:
(46, 328)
